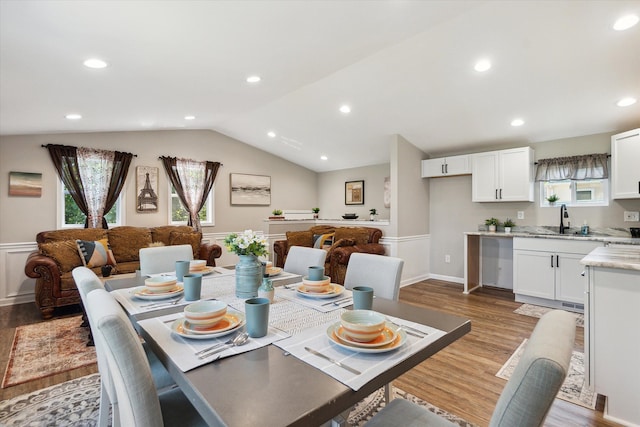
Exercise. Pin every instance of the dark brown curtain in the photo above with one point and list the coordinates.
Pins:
(211, 170)
(121, 162)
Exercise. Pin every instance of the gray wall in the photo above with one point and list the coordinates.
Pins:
(410, 193)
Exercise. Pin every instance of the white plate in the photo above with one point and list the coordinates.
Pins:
(400, 339)
(334, 292)
(388, 335)
(178, 328)
(273, 271)
(141, 292)
(204, 271)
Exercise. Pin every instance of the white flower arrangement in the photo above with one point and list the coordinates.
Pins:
(247, 243)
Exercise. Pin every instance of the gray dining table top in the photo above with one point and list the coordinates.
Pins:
(269, 388)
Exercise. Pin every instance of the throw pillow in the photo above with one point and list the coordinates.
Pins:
(360, 235)
(193, 239)
(323, 241)
(63, 252)
(300, 238)
(126, 242)
(95, 253)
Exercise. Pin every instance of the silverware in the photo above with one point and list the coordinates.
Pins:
(336, 301)
(409, 330)
(160, 304)
(335, 362)
(220, 344)
(239, 340)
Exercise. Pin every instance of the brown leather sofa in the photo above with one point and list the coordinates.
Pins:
(344, 242)
(58, 255)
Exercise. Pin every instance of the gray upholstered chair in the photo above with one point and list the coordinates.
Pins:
(139, 403)
(161, 259)
(87, 281)
(382, 273)
(300, 258)
(529, 393)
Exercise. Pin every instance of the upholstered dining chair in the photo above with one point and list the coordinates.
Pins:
(529, 393)
(139, 403)
(382, 273)
(87, 281)
(160, 259)
(300, 258)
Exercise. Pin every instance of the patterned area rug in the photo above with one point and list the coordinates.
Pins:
(537, 311)
(76, 403)
(47, 348)
(572, 390)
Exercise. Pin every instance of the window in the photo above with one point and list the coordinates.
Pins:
(71, 216)
(178, 214)
(589, 192)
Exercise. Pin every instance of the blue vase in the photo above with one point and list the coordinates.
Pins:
(248, 276)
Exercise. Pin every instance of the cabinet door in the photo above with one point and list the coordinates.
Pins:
(569, 279)
(625, 174)
(534, 274)
(457, 165)
(432, 168)
(516, 179)
(484, 177)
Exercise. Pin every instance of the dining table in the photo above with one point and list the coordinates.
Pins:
(275, 380)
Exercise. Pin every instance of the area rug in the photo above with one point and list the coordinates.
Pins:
(76, 403)
(537, 311)
(48, 348)
(572, 390)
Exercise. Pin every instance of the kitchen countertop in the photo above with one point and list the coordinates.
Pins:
(606, 235)
(627, 258)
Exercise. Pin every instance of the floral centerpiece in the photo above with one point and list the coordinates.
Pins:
(248, 246)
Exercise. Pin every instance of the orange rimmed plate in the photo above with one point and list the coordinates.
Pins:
(273, 271)
(230, 323)
(204, 271)
(143, 293)
(331, 293)
(400, 339)
(388, 335)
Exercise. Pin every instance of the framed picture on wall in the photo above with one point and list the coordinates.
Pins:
(250, 190)
(25, 184)
(354, 193)
(147, 189)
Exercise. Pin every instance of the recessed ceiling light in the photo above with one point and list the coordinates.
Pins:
(345, 109)
(517, 122)
(73, 116)
(189, 117)
(324, 158)
(482, 65)
(95, 63)
(625, 22)
(625, 102)
(271, 134)
(253, 79)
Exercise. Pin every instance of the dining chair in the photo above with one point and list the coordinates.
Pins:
(139, 403)
(300, 258)
(87, 281)
(160, 259)
(382, 273)
(528, 395)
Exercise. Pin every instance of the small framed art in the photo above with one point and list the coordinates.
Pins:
(354, 193)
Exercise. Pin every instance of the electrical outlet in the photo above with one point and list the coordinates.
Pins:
(631, 216)
(520, 214)
(447, 259)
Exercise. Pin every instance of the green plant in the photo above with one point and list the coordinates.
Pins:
(277, 212)
(247, 243)
(373, 211)
(492, 221)
(553, 198)
(509, 223)
(315, 210)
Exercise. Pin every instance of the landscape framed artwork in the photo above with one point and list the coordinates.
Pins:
(250, 190)
(354, 193)
(25, 184)
(147, 189)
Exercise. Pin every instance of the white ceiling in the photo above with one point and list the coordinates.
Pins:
(405, 67)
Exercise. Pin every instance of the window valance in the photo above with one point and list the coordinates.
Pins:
(576, 168)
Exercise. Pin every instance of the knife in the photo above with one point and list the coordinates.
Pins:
(335, 362)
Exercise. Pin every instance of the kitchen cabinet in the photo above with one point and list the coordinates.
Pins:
(548, 271)
(502, 176)
(446, 166)
(625, 173)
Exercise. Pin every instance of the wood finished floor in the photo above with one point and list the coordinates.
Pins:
(460, 379)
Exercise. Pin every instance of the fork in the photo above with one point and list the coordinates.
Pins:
(220, 344)
(159, 304)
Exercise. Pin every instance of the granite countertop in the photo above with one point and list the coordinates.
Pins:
(627, 258)
(606, 235)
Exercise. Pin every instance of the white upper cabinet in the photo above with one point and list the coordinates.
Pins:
(446, 166)
(625, 161)
(502, 176)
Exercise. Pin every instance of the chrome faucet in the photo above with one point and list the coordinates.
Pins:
(564, 214)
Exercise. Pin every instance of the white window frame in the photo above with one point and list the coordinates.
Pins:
(120, 209)
(574, 201)
(209, 221)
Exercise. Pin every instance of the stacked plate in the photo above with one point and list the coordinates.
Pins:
(159, 287)
(366, 331)
(199, 266)
(319, 288)
(207, 319)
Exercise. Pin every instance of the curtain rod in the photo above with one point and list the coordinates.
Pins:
(160, 158)
(45, 146)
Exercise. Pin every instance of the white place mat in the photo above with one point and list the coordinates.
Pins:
(321, 304)
(370, 365)
(182, 350)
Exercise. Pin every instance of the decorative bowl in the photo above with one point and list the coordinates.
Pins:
(363, 325)
(197, 264)
(349, 216)
(160, 284)
(205, 313)
(318, 286)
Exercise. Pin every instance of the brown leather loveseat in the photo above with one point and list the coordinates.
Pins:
(58, 255)
(339, 242)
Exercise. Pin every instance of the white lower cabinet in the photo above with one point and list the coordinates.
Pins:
(549, 270)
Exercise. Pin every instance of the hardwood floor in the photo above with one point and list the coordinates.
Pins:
(460, 379)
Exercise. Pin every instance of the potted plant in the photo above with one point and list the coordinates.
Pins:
(508, 224)
(552, 199)
(493, 223)
(315, 212)
(372, 214)
(277, 214)
(248, 246)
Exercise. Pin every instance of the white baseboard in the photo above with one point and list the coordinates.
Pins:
(453, 279)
